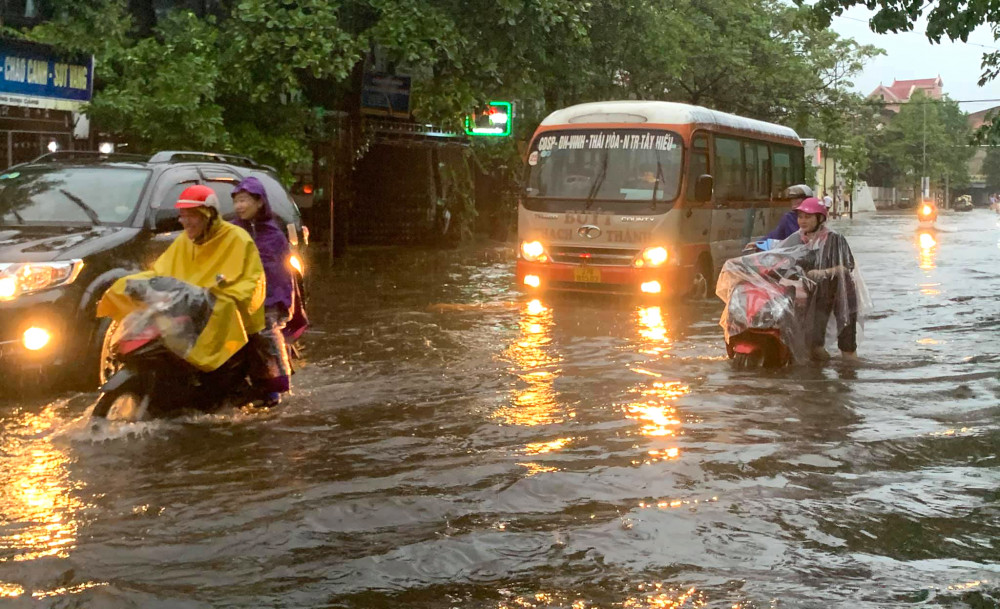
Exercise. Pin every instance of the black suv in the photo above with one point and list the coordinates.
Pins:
(71, 223)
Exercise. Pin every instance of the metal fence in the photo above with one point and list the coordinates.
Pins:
(891, 198)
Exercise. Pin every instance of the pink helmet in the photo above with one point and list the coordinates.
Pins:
(812, 205)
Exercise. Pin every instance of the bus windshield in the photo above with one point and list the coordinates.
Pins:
(629, 171)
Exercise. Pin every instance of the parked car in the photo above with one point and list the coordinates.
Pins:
(71, 223)
(963, 203)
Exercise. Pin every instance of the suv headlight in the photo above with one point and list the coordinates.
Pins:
(19, 279)
(533, 251)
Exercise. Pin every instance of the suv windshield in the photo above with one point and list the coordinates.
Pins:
(621, 170)
(72, 195)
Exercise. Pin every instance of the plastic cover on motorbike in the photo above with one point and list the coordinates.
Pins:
(808, 289)
(175, 312)
(229, 253)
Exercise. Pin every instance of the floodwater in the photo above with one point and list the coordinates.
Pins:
(452, 443)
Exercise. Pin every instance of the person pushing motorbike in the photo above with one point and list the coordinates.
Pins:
(217, 256)
(829, 262)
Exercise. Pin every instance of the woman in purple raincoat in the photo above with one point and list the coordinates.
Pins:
(271, 369)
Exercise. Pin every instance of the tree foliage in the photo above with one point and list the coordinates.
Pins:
(927, 138)
(950, 19)
(252, 79)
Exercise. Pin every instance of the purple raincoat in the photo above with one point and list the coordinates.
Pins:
(272, 243)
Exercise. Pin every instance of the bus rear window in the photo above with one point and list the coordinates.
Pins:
(619, 168)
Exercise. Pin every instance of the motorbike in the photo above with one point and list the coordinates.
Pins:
(963, 203)
(765, 295)
(927, 213)
(154, 380)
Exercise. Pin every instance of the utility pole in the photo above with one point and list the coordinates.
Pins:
(925, 185)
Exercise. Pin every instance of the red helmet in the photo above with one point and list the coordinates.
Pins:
(812, 205)
(198, 195)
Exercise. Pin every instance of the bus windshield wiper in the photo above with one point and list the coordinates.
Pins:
(656, 180)
(598, 180)
(86, 208)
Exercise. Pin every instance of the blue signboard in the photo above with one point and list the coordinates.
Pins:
(34, 75)
(385, 94)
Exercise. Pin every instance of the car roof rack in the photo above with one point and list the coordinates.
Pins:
(172, 156)
(90, 155)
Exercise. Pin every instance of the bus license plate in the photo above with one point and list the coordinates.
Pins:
(587, 275)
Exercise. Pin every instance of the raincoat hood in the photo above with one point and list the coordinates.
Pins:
(256, 188)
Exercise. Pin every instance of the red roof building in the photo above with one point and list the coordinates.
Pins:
(900, 91)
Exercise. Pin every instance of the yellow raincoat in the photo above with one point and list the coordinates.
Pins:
(229, 251)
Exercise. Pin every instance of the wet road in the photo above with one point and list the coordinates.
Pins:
(454, 444)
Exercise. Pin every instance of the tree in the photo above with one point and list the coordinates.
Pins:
(251, 76)
(928, 138)
(991, 167)
(951, 19)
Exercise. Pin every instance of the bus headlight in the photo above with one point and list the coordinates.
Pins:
(652, 257)
(533, 251)
(30, 277)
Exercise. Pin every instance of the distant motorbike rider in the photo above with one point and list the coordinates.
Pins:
(828, 261)
(218, 256)
(789, 222)
(270, 366)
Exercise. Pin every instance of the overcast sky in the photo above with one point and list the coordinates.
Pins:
(910, 55)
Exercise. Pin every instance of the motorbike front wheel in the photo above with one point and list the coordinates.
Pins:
(749, 361)
(127, 402)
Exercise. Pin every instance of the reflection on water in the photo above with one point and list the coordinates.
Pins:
(655, 409)
(653, 331)
(646, 596)
(35, 492)
(534, 401)
(658, 596)
(927, 251)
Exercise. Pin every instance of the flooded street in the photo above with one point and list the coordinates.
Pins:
(453, 443)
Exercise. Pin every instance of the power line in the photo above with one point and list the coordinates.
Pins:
(868, 23)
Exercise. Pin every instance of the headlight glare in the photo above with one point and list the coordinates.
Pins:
(652, 257)
(8, 288)
(34, 276)
(296, 263)
(533, 251)
(35, 339)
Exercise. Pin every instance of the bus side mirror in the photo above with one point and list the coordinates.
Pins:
(703, 188)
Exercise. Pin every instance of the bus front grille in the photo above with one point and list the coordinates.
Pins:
(604, 256)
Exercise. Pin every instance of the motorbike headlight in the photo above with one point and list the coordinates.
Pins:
(652, 257)
(29, 277)
(533, 251)
(296, 264)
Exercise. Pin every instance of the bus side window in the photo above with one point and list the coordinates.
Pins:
(781, 171)
(728, 170)
(797, 156)
(751, 177)
(763, 171)
(698, 165)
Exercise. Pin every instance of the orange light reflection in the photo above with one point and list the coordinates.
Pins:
(653, 330)
(35, 493)
(928, 251)
(534, 402)
(656, 410)
(658, 597)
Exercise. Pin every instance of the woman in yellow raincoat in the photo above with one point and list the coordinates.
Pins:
(212, 254)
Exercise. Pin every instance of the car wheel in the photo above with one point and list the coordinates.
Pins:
(100, 361)
(701, 286)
